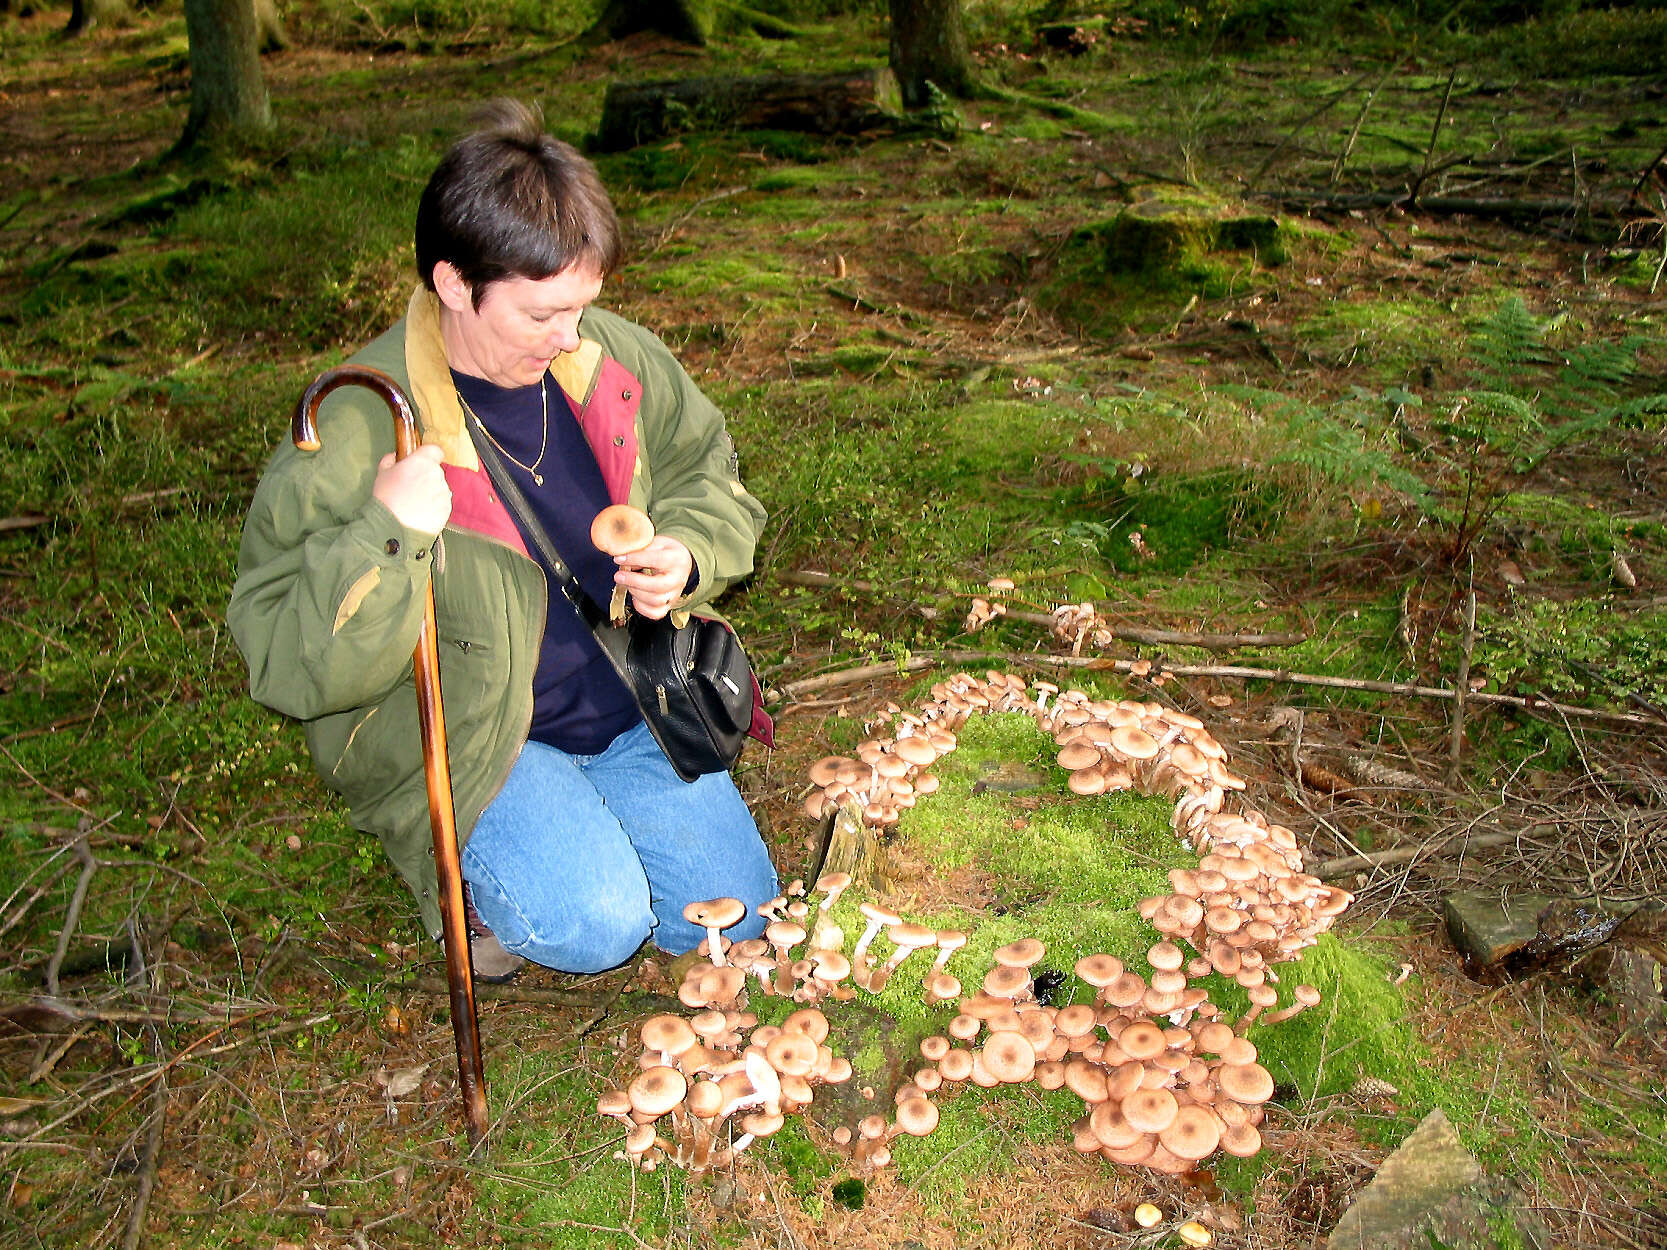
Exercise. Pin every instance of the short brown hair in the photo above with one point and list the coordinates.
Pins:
(508, 200)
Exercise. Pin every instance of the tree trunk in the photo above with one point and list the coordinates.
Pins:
(689, 21)
(228, 94)
(269, 27)
(85, 14)
(847, 103)
(929, 45)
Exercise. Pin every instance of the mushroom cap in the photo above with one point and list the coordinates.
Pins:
(831, 966)
(878, 914)
(658, 1090)
(833, 882)
(915, 750)
(1006, 981)
(1245, 1082)
(620, 529)
(1020, 954)
(1075, 1020)
(943, 987)
(1111, 1127)
(1195, 1133)
(1194, 1234)
(716, 913)
(791, 1054)
(1150, 1110)
(809, 1021)
(1125, 990)
(913, 936)
(762, 1123)
(1009, 1057)
(1165, 956)
(668, 1034)
(917, 1116)
(784, 934)
(1076, 756)
(706, 1099)
(1142, 1040)
(1238, 1051)
(1124, 1079)
(1087, 1080)
(935, 1047)
(614, 1102)
(1133, 743)
(1241, 1140)
(1213, 1036)
(640, 1139)
(1099, 970)
(1051, 1074)
(956, 1065)
(823, 772)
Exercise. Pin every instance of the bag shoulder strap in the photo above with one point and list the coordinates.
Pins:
(611, 640)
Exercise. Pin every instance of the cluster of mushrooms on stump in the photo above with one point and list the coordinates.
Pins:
(1165, 1079)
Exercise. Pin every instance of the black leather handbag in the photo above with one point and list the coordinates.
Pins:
(693, 685)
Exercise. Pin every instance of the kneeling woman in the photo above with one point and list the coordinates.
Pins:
(579, 840)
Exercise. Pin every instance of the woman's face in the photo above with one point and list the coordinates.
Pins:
(521, 326)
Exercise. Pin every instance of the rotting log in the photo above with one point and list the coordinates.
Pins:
(829, 104)
(849, 844)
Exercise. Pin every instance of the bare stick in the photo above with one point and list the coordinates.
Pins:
(150, 1159)
(1331, 869)
(1297, 129)
(1359, 121)
(935, 659)
(72, 917)
(1435, 135)
(1128, 633)
(1461, 687)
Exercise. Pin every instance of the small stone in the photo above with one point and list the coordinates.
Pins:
(1486, 928)
(1431, 1191)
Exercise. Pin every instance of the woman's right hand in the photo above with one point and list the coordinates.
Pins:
(414, 489)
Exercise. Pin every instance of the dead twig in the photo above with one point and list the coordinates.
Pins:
(553, 998)
(1461, 689)
(72, 915)
(1359, 121)
(1435, 136)
(1331, 869)
(1127, 633)
(934, 659)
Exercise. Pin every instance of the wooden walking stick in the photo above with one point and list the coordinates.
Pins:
(431, 718)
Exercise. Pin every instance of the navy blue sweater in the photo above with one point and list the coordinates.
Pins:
(579, 703)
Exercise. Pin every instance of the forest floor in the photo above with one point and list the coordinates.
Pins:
(219, 1023)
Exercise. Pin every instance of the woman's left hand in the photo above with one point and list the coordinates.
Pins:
(655, 575)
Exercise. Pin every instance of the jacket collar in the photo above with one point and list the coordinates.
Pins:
(435, 396)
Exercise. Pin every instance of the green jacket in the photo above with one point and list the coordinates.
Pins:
(330, 588)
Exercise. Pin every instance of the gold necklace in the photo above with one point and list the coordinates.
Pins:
(544, 439)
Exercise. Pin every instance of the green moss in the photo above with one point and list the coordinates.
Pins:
(578, 1195)
(1109, 271)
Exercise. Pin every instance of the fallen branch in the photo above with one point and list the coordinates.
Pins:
(934, 659)
(1506, 210)
(1127, 633)
(30, 520)
(552, 998)
(1331, 869)
(72, 916)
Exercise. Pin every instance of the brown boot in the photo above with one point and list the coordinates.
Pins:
(493, 964)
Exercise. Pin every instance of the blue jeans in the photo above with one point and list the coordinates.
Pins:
(581, 858)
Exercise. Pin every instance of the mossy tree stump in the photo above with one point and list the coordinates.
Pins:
(828, 104)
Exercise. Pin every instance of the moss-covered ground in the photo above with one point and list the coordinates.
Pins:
(1260, 440)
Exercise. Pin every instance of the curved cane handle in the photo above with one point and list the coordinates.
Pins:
(304, 426)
